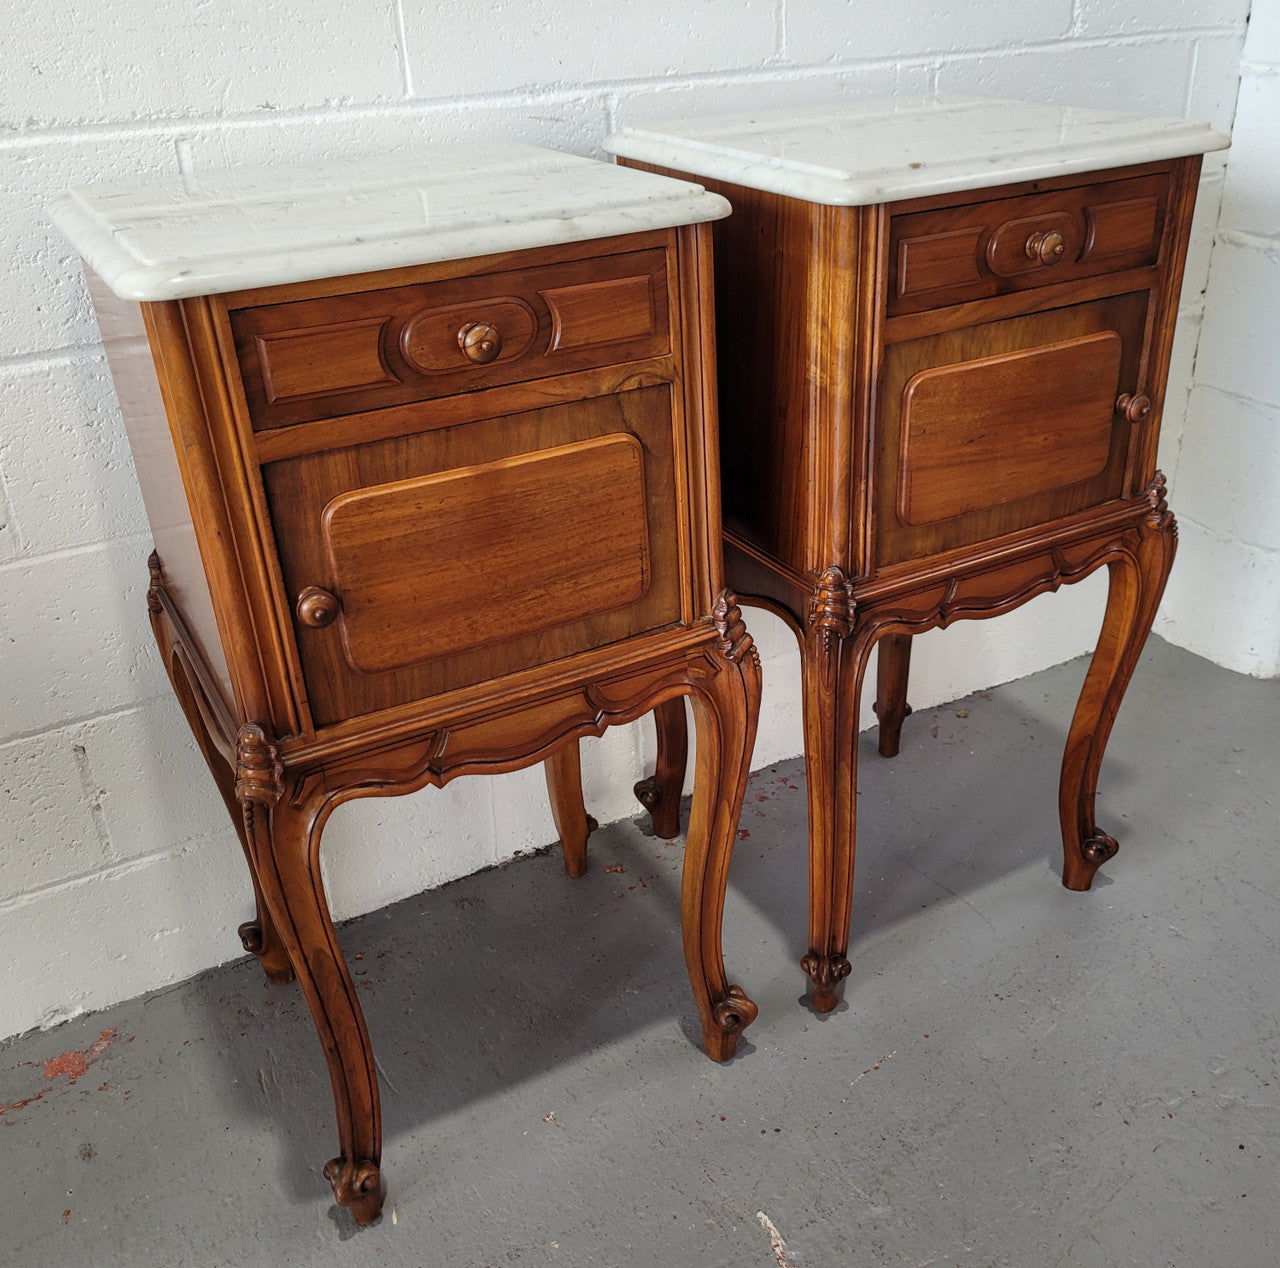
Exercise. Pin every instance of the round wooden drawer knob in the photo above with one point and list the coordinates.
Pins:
(1136, 409)
(480, 342)
(317, 608)
(1048, 247)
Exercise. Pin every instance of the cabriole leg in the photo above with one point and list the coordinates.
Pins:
(726, 709)
(1138, 579)
(283, 822)
(833, 660)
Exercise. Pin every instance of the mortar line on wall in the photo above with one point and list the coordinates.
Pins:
(73, 354)
(1239, 397)
(1227, 539)
(722, 78)
(113, 871)
(402, 39)
(1250, 240)
(72, 552)
(93, 792)
(88, 719)
(780, 30)
(17, 542)
(1217, 238)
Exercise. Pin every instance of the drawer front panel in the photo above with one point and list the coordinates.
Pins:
(1003, 426)
(322, 358)
(563, 531)
(955, 254)
(454, 556)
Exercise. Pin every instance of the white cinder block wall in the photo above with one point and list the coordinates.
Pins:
(1223, 599)
(118, 870)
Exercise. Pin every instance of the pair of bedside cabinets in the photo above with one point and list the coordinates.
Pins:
(429, 448)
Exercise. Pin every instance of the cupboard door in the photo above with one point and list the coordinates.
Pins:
(433, 561)
(561, 530)
(1003, 426)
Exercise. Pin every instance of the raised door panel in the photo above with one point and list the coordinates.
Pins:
(955, 459)
(1003, 426)
(464, 553)
(563, 530)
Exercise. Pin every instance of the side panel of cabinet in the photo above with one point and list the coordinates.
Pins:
(1002, 426)
(766, 288)
(135, 364)
(441, 547)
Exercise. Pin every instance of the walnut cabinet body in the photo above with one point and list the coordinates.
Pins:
(936, 409)
(431, 521)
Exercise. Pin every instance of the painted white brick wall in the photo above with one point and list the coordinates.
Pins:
(118, 870)
(1223, 599)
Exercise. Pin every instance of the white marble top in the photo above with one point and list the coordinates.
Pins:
(177, 236)
(855, 153)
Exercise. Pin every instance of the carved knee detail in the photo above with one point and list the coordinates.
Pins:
(831, 607)
(156, 569)
(734, 641)
(258, 768)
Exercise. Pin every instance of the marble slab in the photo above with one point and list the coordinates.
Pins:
(217, 231)
(857, 153)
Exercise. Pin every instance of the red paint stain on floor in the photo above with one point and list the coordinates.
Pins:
(70, 1065)
(18, 1105)
(73, 1064)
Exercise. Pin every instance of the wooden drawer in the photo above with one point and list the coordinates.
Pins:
(344, 354)
(954, 254)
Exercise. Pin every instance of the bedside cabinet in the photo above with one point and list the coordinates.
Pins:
(426, 442)
(944, 331)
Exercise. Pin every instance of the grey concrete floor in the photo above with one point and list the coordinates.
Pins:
(1019, 1075)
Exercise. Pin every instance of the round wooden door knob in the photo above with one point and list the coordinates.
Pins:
(317, 608)
(480, 342)
(1048, 247)
(1136, 409)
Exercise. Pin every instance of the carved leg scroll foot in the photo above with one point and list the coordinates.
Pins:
(1138, 579)
(563, 770)
(891, 705)
(733, 1014)
(832, 667)
(660, 793)
(726, 709)
(271, 955)
(826, 972)
(357, 1186)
